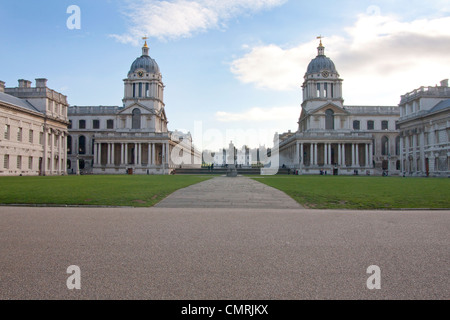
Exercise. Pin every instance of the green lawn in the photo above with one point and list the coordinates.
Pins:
(330, 192)
(136, 191)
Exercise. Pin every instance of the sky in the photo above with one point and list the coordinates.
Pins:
(232, 70)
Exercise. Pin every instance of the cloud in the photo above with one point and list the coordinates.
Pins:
(259, 114)
(174, 19)
(379, 58)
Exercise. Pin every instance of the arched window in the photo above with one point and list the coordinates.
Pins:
(329, 119)
(136, 120)
(69, 144)
(384, 146)
(82, 145)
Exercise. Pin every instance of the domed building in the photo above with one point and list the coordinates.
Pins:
(133, 138)
(336, 139)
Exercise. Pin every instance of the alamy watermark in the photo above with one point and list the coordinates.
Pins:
(74, 20)
(74, 280)
(374, 281)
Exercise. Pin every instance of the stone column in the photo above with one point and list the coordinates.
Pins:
(121, 153)
(168, 154)
(371, 155)
(329, 154)
(60, 157)
(297, 153)
(108, 154)
(302, 161)
(139, 152)
(325, 154)
(153, 154)
(357, 155)
(113, 151)
(315, 154)
(422, 152)
(339, 154)
(367, 154)
(353, 154)
(52, 152)
(100, 153)
(402, 156)
(126, 154)
(135, 153)
(311, 154)
(149, 158)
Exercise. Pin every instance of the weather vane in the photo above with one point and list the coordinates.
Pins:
(145, 38)
(320, 37)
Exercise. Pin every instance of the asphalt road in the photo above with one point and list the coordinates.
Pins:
(273, 254)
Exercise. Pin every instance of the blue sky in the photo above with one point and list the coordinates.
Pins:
(232, 69)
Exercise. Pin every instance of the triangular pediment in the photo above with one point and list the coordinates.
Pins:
(322, 109)
(129, 109)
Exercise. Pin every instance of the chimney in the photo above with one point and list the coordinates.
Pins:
(41, 83)
(2, 86)
(444, 83)
(24, 83)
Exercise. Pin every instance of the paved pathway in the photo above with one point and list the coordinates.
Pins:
(209, 254)
(225, 192)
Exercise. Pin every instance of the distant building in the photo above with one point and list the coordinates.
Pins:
(335, 138)
(33, 123)
(133, 138)
(424, 126)
(244, 157)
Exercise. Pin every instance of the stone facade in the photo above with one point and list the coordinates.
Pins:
(425, 131)
(133, 138)
(339, 139)
(33, 122)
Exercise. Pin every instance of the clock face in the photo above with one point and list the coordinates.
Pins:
(141, 74)
(325, 74)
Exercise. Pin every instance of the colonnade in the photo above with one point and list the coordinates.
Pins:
(153, 159)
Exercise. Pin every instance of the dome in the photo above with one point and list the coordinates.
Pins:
(146, 63)
(321, 63)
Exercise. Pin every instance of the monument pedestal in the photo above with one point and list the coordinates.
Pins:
(232, 171)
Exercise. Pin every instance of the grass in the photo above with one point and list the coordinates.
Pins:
(330, 192)
(135, 191)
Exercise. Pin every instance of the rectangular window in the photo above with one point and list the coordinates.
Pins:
(82, 124)
(332, 90)
(30, 163)
(70, 124)
(318, 90)
(41, 138)
(134, 90)
(19, 134)
(6, 161)
(140, 89)
(96, 124)
(147, 90)
(7, 131)
(30, 136)
(356, 125)
(325, 90)
(110, 124)
(55, 140)
(384, 125)
(370, 125)
(19, 162)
